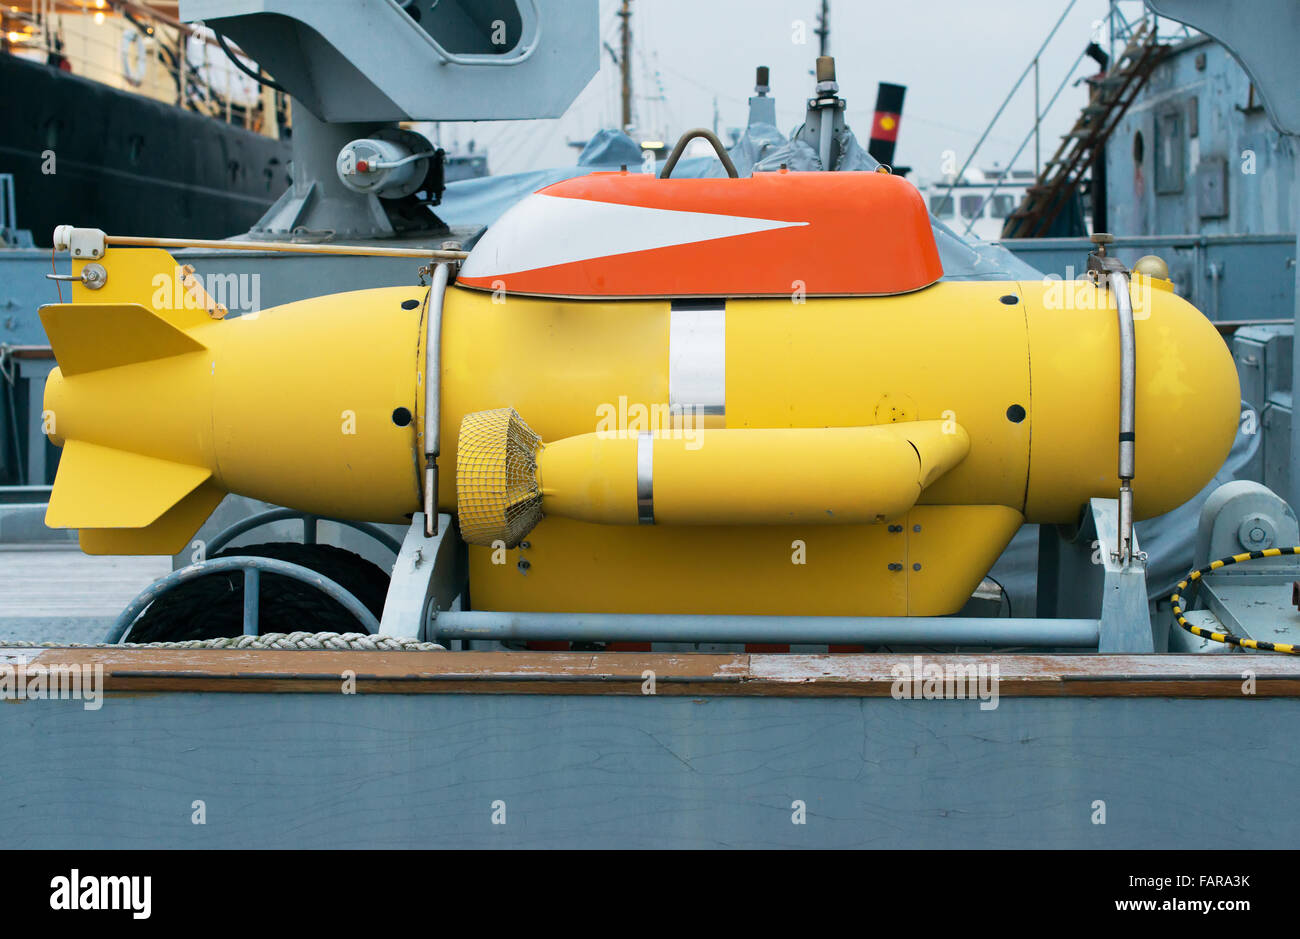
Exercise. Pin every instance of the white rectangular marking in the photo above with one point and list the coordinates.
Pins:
(697, 359)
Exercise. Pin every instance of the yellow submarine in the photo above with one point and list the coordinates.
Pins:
(672, 394)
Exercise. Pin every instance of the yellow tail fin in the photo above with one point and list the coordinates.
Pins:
(168, 535)
(99, 487)
(87, 337)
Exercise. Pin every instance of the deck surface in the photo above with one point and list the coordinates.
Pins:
(55, 593)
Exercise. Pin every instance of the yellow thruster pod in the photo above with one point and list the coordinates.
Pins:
(840, 475)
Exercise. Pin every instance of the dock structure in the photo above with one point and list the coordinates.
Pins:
(569, 750)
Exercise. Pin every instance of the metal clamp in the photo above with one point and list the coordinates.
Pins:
(645, 478)
(80, 242)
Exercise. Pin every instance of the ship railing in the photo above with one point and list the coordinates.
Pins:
(1033, 132)
(1031, 67)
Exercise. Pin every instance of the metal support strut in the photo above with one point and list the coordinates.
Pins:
(1127, 412)
(1104, 268)
(433, 396)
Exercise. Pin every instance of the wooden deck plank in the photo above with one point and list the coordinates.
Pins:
(701, 674)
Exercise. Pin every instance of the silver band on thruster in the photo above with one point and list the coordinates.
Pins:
(645, 478)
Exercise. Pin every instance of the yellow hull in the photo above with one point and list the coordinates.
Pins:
(300, 406)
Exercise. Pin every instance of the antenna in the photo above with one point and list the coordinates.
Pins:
(823, 29)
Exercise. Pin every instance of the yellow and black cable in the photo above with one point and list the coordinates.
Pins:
(1260, 644)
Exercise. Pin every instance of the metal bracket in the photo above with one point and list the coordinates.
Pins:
(429, 574)
(1079, 577)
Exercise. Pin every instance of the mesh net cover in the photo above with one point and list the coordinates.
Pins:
(497, 494)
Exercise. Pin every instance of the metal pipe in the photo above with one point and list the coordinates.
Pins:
(359, 250)
(433, 396)
(1294, 494)
(1127, 411)
(252, 593)
(866, 630)
(394, 164)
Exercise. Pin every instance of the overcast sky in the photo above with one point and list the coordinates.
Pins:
(958, 59)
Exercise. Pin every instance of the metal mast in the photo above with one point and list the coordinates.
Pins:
(824, 29)
(625, 61)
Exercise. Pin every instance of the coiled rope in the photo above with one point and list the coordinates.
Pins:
(301, 641)
(1260, 644)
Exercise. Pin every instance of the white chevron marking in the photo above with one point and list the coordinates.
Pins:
(542, 231)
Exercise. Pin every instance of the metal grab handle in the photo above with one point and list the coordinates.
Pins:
(92, 276)
(686, 138)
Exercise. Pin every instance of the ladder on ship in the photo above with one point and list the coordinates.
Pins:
(1061, 175)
